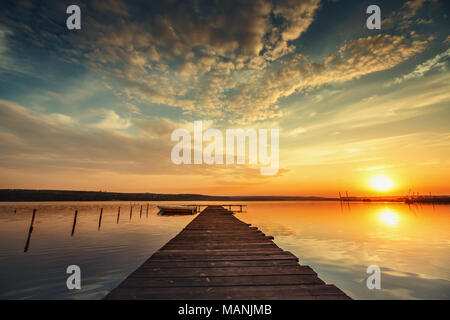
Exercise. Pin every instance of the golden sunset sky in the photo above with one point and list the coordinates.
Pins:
(94, 109)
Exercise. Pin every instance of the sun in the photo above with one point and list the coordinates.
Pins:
(381, 182)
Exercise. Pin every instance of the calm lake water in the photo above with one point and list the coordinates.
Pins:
(410, 245)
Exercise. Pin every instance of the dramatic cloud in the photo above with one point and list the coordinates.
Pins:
(354, 59)
(231, 60)
(184, 54)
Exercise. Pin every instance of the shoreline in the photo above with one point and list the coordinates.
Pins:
(26, 195)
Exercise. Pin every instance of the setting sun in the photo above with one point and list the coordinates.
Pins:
(381, 183)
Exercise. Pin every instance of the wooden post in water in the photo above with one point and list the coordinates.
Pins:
(131, 210)
(348, 202)
(340, 202)
(100, 219)
(147, 210)
(74, 222)
(27, 243)
(140, 213)
(118, 215)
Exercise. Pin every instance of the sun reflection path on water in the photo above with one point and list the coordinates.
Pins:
(389, 217)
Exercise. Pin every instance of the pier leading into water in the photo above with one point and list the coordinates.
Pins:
(218, 256)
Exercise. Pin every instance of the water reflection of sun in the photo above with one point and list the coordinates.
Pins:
(388, 217)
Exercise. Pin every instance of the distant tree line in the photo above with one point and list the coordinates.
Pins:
(17, 195)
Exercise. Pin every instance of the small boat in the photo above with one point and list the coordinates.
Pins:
(177, 210)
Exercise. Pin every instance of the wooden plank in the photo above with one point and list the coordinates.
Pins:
(218, 281)
(150, 271)
(221, 251)
(221, 242)
(218, 246)
(212, 240)
(281, 292)
(222, 234)
(217, 263)
(239, 237)
(281, 256)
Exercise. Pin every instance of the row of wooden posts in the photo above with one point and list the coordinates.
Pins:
(346, 198)
(33, 217)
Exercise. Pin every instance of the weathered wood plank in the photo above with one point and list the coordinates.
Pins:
(281, 256)
(215, 281)
(217, 263)
(281, 292)
(187, 236)
(220, 246)
(221, 251)
(150, 271)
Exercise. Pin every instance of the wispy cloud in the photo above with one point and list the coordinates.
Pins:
(8, 63)
(51, 144)
(406, 15)
(439, 62)
(404, 103)
(112, 120)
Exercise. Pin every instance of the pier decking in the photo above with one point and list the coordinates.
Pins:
(217, 256)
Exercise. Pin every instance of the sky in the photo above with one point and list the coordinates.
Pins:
(94, 109)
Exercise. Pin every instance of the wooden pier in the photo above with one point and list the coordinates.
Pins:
(217, 256)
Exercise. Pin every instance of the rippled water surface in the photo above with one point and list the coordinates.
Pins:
(339, 241)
